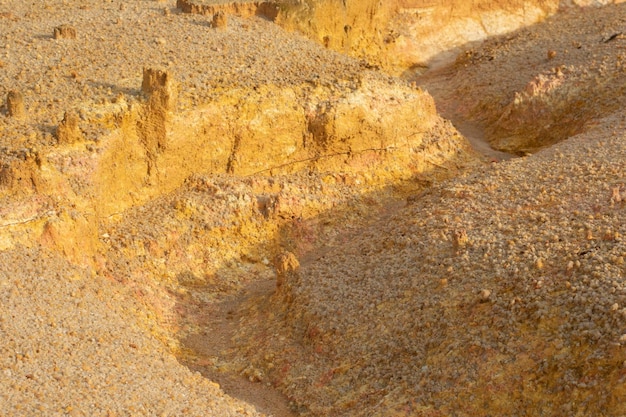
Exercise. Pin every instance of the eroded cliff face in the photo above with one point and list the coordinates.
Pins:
(378, 132)
(245, 144)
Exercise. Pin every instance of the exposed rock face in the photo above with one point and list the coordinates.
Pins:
(374, 135)
(413, 34)
(246, 8)
(154, 116)
(379, 131)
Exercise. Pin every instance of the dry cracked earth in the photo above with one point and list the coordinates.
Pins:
(207, 214)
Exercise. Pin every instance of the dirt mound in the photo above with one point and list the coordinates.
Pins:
(522, 315)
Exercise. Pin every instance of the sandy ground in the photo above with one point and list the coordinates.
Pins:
(75, 344)
(500, 292)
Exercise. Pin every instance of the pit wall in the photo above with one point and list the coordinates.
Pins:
(413, 35)
(379, 133)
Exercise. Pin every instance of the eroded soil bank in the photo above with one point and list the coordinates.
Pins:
(207, 192)
(160, 158)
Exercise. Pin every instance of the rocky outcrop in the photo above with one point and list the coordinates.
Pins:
(379, 133)
(286, 264)
(20, 173)
(219, 20)
(15, 104)
(64, 32)
(152, 124)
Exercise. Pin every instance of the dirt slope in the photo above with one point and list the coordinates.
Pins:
(539, 85)
(497, 293)
(76, 344)
(272, 214)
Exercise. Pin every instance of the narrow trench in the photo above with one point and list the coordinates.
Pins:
(211, 349)
(476, 137)
(436, 83)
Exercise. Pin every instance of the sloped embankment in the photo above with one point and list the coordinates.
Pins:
(139, 146)
(530, 88)
(500, 292)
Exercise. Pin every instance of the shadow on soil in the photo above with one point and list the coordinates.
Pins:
(210, 315)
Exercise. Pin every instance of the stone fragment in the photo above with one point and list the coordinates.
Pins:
(64, 32)
(484, 295)
(15, 104)
(539, 263)
(460, 239)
